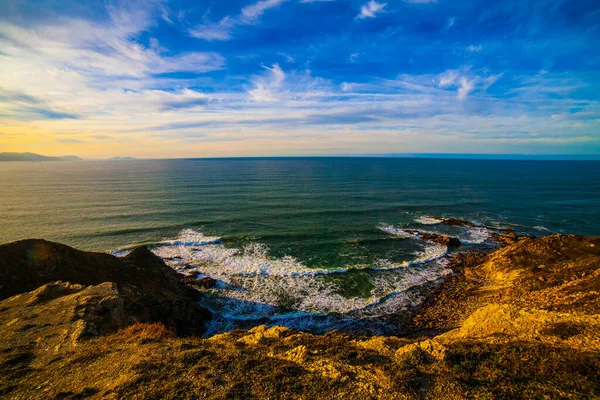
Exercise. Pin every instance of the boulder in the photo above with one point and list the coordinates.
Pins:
(458, 222)
(435, 237)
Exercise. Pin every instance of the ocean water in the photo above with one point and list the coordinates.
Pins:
(310, 243)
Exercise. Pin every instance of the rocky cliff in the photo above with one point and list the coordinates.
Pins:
(142, 288)
(522, 322)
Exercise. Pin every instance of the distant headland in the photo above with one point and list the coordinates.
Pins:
(32, 157)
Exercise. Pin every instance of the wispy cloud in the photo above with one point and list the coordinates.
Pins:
(371, 9)
(473, 48)
(490, 80)
(223, 29)
(466, 86)
(267, 88)
(465, 81)
(72, 67)
(214, 30)
(250, 14)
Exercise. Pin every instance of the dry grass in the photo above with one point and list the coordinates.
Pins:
(140, 331)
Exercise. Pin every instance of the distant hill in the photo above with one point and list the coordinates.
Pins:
(121, 158)
(32, 157)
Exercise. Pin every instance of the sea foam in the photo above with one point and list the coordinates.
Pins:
(254, 287)
(425, 220)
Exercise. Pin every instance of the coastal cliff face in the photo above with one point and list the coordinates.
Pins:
(521, 322)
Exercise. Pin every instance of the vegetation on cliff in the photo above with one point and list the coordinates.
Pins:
(522, 322)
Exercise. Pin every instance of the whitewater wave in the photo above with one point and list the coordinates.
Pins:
(425, 220)
(395, 231)
(468, 235)
(476, 235)
(543, 229)
(254, 287)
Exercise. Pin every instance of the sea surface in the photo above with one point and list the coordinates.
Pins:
(310, 243)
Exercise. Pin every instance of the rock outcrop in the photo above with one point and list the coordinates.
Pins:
(146, 288)
(435, 237)
(501, 236)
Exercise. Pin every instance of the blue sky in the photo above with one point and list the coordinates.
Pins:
(153, 78)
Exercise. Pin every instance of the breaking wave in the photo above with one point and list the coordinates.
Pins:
(467, 235)
(395, 231)
(255, 288)
(425, 220)
(476, 235)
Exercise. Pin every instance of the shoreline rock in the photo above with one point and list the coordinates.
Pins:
(435, 237)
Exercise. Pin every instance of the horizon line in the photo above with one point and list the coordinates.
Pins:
(473, 156)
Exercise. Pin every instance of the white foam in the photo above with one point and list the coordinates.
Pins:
(394, 231)
(543, 229)
(425, 220)
(191, 238)
(431, 253)
(254, 287)
(476, 235)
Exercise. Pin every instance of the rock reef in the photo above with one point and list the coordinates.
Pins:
(520, 322)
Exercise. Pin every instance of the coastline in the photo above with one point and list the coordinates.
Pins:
(522, 321)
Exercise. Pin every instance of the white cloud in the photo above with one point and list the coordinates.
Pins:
(267, 87)
(214, 30)
(490, 80)
(450, 22)
(251, 13)
(465, 81)
(466, 86)
(473, 48)
(448, 78)
(262, 94)
(95, 49)
(73, 67)
(371, 9)
(222, 30)
(288, 58)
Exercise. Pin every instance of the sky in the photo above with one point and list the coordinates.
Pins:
(219, 78)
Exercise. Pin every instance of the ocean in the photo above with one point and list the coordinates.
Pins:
(310, 243)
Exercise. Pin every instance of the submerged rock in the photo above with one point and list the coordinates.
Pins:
(458, 222)
(435, 237)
